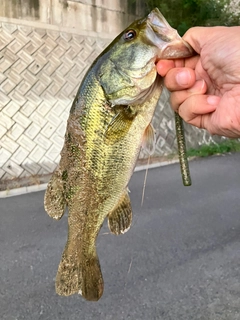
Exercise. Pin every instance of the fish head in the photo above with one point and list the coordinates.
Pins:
(127, 68)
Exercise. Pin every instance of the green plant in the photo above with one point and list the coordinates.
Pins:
(215, 148)
(183, 14)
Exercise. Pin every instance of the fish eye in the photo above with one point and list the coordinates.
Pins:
(129, 35)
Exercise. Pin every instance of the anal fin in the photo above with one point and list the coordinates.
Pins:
(120, 218)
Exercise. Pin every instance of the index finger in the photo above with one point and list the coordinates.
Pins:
(163, 66)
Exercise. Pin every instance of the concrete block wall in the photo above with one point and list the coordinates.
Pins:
(40, 71)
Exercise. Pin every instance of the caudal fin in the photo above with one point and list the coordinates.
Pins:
(68, 275)
(92, 280)
(78, 273)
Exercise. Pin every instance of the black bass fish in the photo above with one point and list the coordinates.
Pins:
(109, 121)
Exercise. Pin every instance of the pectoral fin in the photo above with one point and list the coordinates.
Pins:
(119, 220)
(120, 123)
(149, 140)
(118, 128)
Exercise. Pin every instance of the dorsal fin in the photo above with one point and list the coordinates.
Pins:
(119, 220)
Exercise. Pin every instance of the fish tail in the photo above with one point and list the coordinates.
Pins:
(54, 200)
(92, 280)
(80, 272)
(68, 277)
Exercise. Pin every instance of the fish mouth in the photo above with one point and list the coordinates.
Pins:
(167, 39)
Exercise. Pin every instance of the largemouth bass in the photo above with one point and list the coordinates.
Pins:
(109, 121)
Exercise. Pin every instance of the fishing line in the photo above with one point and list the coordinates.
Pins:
(145, 180)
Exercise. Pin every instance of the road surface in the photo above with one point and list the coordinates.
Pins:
(179, 261)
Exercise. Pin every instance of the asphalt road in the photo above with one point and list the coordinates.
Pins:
(179, 261)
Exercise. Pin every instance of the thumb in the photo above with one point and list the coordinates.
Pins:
(197, 37)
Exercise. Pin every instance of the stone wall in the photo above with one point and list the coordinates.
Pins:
(41, 67)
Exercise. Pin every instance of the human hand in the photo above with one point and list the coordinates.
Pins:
(206, 88)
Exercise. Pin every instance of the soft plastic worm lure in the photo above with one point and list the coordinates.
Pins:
(182, 152)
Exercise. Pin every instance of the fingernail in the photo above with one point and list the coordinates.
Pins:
(183, 78)
(213, 100)
(198, 87)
